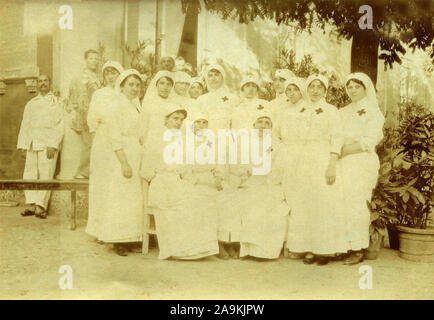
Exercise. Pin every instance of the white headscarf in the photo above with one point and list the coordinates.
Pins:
(125, 74)
(176, 107)
(260, 113)
(319, 77)
(323, 80)
(220, 69)
(197, 80)
(249, 79)
(152, 91)
(113, 64)
(181, 76)
(371, 95)
(300, 83)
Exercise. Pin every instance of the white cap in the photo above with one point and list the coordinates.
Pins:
(113, 64)
(176, 107)
(181, 76)
(249, 79)
(319, 77)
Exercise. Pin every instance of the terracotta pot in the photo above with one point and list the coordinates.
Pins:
(416, 244)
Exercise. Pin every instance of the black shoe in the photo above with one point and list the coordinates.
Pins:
(27, 213)
(321, 261)
(355, 258)
(120, 250)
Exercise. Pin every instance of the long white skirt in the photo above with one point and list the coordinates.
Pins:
(229, 207)
(115, 202)
(316, 222)
(263, 222)
(185, 222)
(359, 173)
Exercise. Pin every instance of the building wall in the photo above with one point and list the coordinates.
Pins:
(18, 50)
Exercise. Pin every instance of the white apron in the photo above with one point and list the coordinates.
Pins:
(115, 202)
(315, 224)
(359, 171)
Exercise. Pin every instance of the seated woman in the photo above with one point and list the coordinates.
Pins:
(264, 215)
(204, 175)
(185, 227)
(252, 209)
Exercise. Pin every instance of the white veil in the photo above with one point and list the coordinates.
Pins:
(371, 95)
(152, 91)
(125, 74)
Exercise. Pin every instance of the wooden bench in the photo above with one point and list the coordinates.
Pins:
(71, 185)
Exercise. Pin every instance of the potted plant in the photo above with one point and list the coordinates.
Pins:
(404, 193)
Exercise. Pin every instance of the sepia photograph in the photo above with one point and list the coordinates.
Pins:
(219, 150)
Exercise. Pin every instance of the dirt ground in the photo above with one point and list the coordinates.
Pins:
(32, 251)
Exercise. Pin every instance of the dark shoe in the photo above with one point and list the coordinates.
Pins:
(321, 261)
(43, 215)
(355, 258)
(27, 213)
(339, 257)
(223, 254)
(120, 250)
(134, 247)
(309, 259)
(41, 212)
(234, 251)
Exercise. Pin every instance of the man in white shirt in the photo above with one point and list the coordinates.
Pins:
(40, 135)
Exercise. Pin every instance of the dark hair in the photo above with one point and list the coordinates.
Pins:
(322, 83)
(356, 81)
(48, 77)
(131, 75)
(88, 52)
(169, 79)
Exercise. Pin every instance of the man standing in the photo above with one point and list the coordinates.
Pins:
(40, 135)
(80, 94)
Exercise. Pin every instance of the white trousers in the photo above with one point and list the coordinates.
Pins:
(38, 166)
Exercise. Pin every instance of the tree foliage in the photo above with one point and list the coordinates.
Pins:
(394, 21)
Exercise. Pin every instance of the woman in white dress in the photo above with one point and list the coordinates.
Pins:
(186, 228)
(362, 123)
(219, 102)
(296, 98)
(197, 88)
(312, 189)
(179, 93)
(249, 103)
(99, 105)
(115, 186)
(157, 101)
(261, 201)
(104, 96)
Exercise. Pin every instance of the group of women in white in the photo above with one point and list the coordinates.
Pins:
(312, 202)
